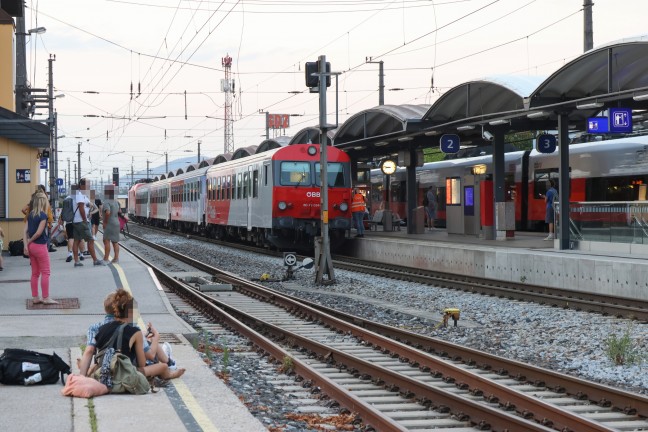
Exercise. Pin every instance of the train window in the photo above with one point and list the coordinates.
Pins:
(295, 174)
(239, 186)
(334, 174)
(246, 183)
(228, 187)
(265, 175)
(540, 178)
(255, 183)
(453, 191)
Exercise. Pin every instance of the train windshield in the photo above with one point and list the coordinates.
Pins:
(295, 174)
(335, 174)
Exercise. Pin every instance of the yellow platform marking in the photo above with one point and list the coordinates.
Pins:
(193, 406)
(183, 391)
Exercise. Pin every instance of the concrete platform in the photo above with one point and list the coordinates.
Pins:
(526, 257)
(196, 401)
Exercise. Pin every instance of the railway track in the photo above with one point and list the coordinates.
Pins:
(396, 380)
(576, 300)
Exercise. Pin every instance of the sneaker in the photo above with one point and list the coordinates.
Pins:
(69, 258)
(86, 253)
(99, 263)
(549, 237)
(78, 264)
(167, 350)
(51, 249)
(81, 257)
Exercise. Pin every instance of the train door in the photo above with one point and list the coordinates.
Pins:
(264, 200)
(247, 195)
(202, 198)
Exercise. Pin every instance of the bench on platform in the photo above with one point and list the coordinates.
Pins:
(377, 219)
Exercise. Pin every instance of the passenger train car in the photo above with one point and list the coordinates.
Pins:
(611, 170)
(271, 198)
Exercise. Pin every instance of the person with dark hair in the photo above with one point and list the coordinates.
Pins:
(35, 246)
(550, 197)
(133, 340)
(95, 218)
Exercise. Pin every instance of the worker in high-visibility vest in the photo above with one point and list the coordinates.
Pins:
(358, 208)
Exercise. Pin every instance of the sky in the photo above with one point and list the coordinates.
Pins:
(122, 67)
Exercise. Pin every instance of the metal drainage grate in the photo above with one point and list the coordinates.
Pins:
(170, 338)
(63, 303)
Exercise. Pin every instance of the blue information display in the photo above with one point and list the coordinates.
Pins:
(546, 143)
(43, 163)
(598, 125)
(62, 190)
(620, 120)
(59, 182)
(449, 143)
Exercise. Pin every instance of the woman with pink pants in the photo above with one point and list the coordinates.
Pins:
(35, 240)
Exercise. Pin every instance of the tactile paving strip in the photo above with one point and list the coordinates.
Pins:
(63, 303)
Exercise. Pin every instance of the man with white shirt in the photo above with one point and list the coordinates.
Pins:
(81, 227)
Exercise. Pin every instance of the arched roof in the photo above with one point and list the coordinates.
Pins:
(310, 135)
(272, 143)
(222, 158)
(244, 152)
(171, 174)
(613, 68)
(482, 98)
(179, 171)
(379, 121)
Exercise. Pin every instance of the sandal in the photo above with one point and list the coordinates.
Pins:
(49, 301)
(36, 300)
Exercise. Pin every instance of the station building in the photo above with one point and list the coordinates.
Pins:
(21, 141)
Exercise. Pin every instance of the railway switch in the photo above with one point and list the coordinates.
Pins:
(448, 313)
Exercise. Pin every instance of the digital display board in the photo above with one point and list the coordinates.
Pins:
(598, 125)
(469, 201)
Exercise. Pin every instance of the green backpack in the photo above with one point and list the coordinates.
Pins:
(125, 376)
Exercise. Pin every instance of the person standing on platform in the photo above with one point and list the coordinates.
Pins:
(358, 209)
(431, 206)
(1, 248)
(550, 197)
(81, 227)
(96, 218)
(110, 224)
(35, 241)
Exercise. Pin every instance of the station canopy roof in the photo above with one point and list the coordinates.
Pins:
(310, 135)
(23, 130)
(614, 74)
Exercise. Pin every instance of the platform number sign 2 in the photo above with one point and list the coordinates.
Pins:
(546, 143)
(449, 143)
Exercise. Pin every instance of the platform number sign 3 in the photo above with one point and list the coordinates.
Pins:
(546, 143)
(449, 143)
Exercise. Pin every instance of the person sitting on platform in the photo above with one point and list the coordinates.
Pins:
(133, 341)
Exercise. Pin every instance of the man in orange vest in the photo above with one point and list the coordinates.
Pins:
(358, 208)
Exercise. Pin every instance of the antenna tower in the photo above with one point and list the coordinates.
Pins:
(227, 87)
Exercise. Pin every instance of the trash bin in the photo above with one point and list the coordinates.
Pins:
(417, 218)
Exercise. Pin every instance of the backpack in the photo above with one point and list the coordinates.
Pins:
(425, 201)
(24, 367)
(16, 248)
(124, 376)
(68, 210)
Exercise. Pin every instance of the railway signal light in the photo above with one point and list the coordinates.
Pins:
(313, 68)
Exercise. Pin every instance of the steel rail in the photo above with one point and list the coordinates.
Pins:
(557, 297)
(526, 405)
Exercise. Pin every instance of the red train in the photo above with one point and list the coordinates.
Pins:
(270, 198)
(611, 170)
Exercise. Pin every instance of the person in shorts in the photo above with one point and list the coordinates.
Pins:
(80, 226)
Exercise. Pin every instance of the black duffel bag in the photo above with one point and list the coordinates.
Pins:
(24, 367)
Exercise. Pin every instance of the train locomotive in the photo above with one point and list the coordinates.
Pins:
(271, 199)
(611, 170)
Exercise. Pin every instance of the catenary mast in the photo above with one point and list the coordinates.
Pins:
(227, 87)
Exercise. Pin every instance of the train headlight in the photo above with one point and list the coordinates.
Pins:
(282, 205)
(344, 207)
(312, 150)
